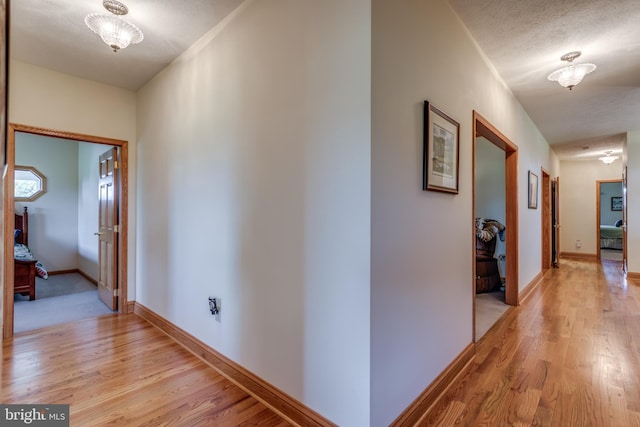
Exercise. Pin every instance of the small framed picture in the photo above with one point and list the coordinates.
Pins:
(616, 203)
(533, 190)
(441, 151)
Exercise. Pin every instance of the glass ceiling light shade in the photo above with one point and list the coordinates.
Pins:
(571, 75)
(114, 31)
(608, 159)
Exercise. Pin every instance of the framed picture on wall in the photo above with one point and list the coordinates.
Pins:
(533, 190)
(441, 151)
(616, 203)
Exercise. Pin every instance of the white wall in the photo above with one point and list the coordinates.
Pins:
(53, 217)
(554, 161)
(607, 191)
(578, 209)
(422, 242)
(633, 201)
(48, 99)
(491, 188)
(278, 174)
(254, 172)
(63, 220)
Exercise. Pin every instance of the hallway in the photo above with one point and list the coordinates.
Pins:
(569, 356)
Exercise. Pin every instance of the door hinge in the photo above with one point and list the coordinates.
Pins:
(116, 165)
(116, 228)
(116, 292)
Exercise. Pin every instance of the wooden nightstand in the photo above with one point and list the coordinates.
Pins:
(25, 278)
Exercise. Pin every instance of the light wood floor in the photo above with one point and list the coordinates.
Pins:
(121, 370)
(569, 356)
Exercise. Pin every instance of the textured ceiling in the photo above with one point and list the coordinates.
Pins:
(52, 34)
(524, 40)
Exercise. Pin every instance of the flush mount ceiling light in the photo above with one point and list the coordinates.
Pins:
(114, 31)
(608, 159)
(572, 74)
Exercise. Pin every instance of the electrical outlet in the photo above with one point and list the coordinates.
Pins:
(214, 306)
(578, 244)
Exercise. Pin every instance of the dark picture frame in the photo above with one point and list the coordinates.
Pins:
(616, 203)
(533, 190)
(441, 151)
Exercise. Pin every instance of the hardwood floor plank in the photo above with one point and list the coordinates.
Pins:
(122, 371)
(452, 414)
(568, 356)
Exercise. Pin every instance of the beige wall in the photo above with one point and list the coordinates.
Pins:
(254, 173)
(578, 209)
(422, 242)
(633, 201)
(52, 100)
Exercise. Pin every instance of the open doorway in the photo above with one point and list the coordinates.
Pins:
(55, 247)
(610, 220)
(491, 234)
(491, 145)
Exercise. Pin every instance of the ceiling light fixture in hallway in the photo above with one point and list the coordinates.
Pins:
(571, 75)
(608, 158)
(114, 31)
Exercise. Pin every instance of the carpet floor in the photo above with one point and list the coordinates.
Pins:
(59, 299)
(490, 307)
(614, 254)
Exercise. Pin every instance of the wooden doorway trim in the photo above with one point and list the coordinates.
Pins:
(555, 222)
(482, 127)
(598, 216)
(625, 218)
(546, 220)
(9, 212)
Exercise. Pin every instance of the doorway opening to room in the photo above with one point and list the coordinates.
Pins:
(610, 219)
(495, 189)
(79, 229)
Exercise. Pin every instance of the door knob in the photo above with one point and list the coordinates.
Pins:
(99, 233)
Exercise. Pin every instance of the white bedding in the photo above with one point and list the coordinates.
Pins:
(22, 252)
(610, 237)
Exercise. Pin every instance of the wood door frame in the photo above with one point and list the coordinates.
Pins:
(625, 218)
(482, 127)
(598, 217)
(546, 227)
(9, 208)
(555, 221)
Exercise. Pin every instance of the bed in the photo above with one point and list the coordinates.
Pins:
(24, 274)
(610, 237)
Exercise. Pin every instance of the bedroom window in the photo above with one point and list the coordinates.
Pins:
(29, 184)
